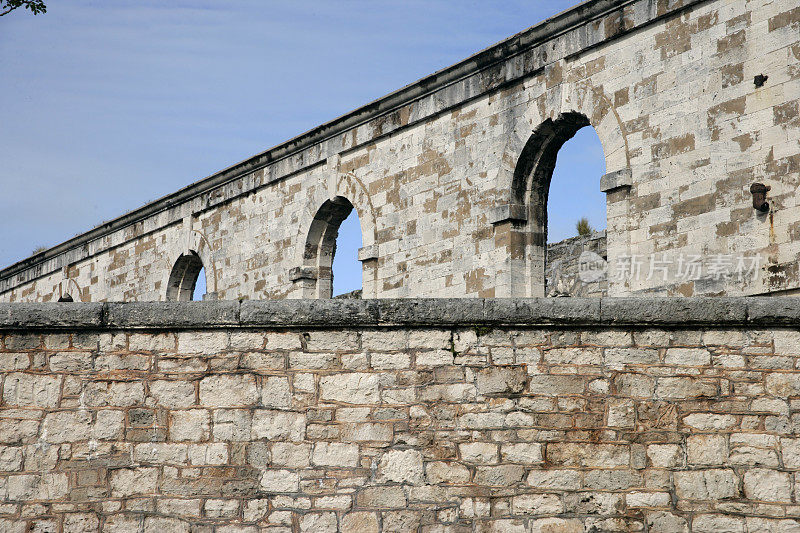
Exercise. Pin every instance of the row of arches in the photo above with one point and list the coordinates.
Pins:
(555, 182)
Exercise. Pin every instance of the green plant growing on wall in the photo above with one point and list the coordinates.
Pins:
(583, 227)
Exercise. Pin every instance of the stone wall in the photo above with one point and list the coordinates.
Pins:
(557, 415)
(449, 175)
(569, 263)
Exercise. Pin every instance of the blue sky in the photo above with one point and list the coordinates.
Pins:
(110, 104)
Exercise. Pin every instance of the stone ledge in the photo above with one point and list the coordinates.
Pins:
(634, 311)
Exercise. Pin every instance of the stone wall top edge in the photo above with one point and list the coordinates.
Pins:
(541, 32)
(458, 312)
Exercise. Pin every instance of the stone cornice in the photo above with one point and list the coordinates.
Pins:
(461, 312)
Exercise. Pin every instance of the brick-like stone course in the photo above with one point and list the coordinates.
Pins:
(529, 422)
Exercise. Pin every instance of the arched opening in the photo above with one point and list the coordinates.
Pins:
(320, 250)
(183, 278)
(66, 298)
(551, 213)
(346, 271)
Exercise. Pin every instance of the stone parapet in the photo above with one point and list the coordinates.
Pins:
(629, 311)
(596, 414)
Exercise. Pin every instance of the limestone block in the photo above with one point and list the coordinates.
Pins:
(319, 523)
(591, 455)
(360, 522)
(537, 504)
(10, 458)
(280, 481)
(555, 479)
(479, 452)
(109, 424)
(113, 393)
(783, 384)
(232, 424)
(278, 425)
(229, 390)
(501, 475)
(718, 523)
(218, 508)
(151, 342)
(388, 497)
(335, 454)
(711, 484)
(574, 356)
(31, 390)
(292, 455)
(434, 358)
(647, 499)
(688, 357)
(706, 449)
(444, 472)
(11, 361)
(501, 380)
(70, 361)
(275, 392)
(522, 452)
(621, 413)
(664, 522)
(764, 484)
(215, 453)
(202, 342)
(709, 421)
(355, 387)
(132, 481)
(618, 358)
(160, 524)
(172, 394)
(557, 525)
(81, 523)
(401, 466)
(665, 455)
(160, 453)
(67, 426)
(190, 425)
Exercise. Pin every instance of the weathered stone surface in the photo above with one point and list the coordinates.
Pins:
(401, 466)
(350, 388)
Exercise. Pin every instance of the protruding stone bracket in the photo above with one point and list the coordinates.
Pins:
(368, 253)
(303, 273)
(508, 213)
(616, 180)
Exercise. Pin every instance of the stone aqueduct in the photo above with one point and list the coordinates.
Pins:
(693, 101)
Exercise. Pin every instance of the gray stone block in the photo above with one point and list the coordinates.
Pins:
(51, 315)
(666, 311)
(173, 314)
(308, 312)
(767, 310)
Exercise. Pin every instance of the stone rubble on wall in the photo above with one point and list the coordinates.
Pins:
(557, 422)
(563, 274)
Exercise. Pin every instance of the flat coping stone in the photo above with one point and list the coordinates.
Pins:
(637, 311)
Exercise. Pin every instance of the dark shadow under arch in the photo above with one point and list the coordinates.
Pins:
(530, 189)
(320, 246)
(183, 278)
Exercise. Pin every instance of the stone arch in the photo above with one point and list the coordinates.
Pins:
(67, 290)
(583, 99)
(316, 273)
(526, 166)
(316, 239)
(183, 277)
(184, 268)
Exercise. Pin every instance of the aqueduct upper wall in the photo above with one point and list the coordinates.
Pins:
(449, 175)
